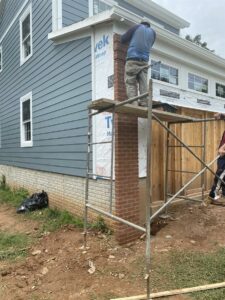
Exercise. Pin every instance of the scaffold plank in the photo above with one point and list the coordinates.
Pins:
(138, 111)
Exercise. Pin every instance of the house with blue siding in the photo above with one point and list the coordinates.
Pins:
(56, 56)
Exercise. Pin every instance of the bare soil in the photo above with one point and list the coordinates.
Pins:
(62, 268)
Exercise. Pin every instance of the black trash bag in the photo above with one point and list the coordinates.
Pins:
(36, 201)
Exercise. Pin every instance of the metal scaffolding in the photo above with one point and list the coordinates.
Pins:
(165, 119)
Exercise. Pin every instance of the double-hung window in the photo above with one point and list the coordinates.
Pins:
(164, 73)
(197, 83)
(0, 58)
(26, 138)
(26, 35)
(220, 90)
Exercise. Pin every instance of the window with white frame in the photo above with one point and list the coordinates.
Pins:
(164, 73)
(220, 90)
(197, 83)
(26, 35)
(0, 58)
(26, 138)
(98, 6)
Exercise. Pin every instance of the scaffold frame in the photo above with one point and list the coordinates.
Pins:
(165, 120)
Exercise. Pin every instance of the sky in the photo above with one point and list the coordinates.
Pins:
(207, 17)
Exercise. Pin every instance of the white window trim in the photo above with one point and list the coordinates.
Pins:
(164, 82)
(193, 90)
(1, 62)
(22, 18)
(218, 97)
(56, 15)
(22, 142)
(91, 8)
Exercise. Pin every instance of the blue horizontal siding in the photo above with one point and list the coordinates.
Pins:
(11, 7)
(74, 11)
(59, 77)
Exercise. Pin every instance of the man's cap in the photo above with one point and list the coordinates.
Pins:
(145, 21)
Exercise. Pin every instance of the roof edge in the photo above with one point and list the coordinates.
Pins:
(160, 12)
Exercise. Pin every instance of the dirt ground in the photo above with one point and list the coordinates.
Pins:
(58, 267)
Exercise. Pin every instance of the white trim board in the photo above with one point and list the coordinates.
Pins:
(56, 15)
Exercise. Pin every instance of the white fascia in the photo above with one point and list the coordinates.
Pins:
(119, 14)
(80, 29)
(84, 28)
(176, 41)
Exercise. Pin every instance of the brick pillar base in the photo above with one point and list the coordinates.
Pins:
(126, 156)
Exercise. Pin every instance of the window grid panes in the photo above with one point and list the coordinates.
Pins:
(27, 131)
(99, 6)
(26, 37)
(197, 83)
(220, 90)
(26, 120)
(164, 73)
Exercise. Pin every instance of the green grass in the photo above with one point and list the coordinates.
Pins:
(13, 245)
(12, 197)
(53, 219)
(50, 219)
(182, 269)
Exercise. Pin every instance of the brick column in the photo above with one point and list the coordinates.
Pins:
(126, 155)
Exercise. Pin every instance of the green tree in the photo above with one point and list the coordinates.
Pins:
(198, 41)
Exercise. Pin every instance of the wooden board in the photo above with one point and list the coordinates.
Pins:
(177, 292)
(141, 112)
(179, 159)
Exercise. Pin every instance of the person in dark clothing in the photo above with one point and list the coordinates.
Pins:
(141, 38)
(217, 184)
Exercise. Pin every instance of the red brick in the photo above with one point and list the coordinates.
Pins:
(126, 156)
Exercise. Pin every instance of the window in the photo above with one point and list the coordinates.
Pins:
(0, 58)
(197, 83)
(25, 36)
(26, 139)
(220, 90)
(164, 73)
(98, 6)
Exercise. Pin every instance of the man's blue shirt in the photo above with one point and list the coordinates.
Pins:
(141, 39)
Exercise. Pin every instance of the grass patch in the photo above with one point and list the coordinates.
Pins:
(54, 219)
(51, 219)
(12, 197)
(13, 245)
(189, 269)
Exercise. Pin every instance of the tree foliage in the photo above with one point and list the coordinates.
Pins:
(198, 41)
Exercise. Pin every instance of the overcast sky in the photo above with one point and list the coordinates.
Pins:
(207, 17)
